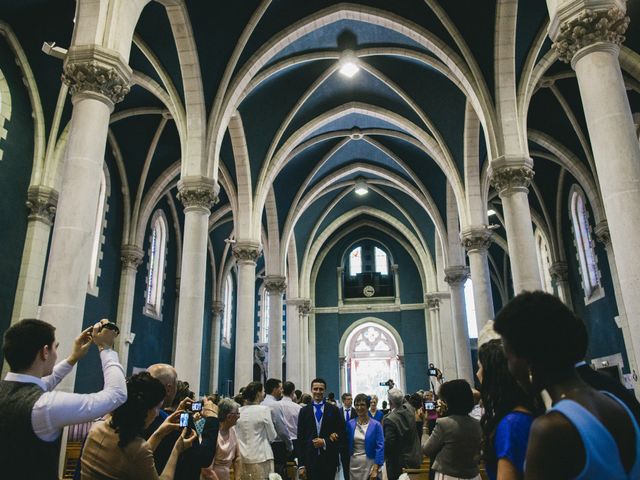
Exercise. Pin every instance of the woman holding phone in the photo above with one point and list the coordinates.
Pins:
(366, 442)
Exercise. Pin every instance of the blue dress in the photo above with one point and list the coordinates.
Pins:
(601, 451)
(378, 416)
(512, 436)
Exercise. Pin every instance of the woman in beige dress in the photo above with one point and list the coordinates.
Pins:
(227, 445)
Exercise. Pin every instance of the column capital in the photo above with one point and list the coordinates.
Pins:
(583, 24)
(510, 175)
(98, 72)
(456, 275)
(433, 301)
(247, 251)
(395, 268)
(131, 256)
(476, 238)
(275, 284)
(199, 193)
(559, 271)
(42, 202)
(602, 233)
(217, 307)
(304, 307)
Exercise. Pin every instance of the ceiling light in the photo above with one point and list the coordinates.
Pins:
(490, 212)
(361, 187)
(348, 64)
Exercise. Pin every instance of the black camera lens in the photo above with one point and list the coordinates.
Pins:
(111, 326)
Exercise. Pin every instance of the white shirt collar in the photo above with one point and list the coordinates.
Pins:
(270, 397)
(22, 378)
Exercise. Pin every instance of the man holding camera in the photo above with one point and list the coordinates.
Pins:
(33, 415)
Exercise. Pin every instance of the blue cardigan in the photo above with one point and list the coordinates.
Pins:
(373, 440)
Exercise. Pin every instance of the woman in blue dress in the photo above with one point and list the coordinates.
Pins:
(373, 409)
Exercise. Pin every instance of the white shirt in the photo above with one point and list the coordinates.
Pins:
(291, 412)
(55, 410)
(279, 423)
(255, 432)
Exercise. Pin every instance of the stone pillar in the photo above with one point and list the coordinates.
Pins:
(197, 195)
(98, 78)
(275, 286)
(590, 39)
(217, 311)
(434, 340)
(294, 353)
(131, 257)
(602, 234)
(340, 274)
(396, 283)
(41, 202)
(455, 277)
(476, 240)
(559, 272)
(511, 179)
(246, 254)
(304, 309)
(445, 335)
(344, 384)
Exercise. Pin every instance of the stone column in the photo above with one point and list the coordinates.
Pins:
(41, 202)
(246, 254)
(340, 274)
(445, 336)
(131, 257)
(304, 309)
(434, 340)
(602, 234)
(396, 283)
(98, 78)
(476, 240)
(294, 341)
(197, 195)
(590, 39)
(275, 286)
(217, 311)
(511, 179)
(559, 272)
(455, 277)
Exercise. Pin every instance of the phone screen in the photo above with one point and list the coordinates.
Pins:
(184, 419)
(196, 406)
(429, 406)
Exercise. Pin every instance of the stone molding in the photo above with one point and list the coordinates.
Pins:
(304, 307)
(217, 307)
(42, 202)
(275, 284)
(433, 302)
(247, 251)
(456, 276)
(476, 239)
(91, 69)
(602, 233)
(200, 194)
(588, 28)
(131, 256)
(559, 271)
(508, 180)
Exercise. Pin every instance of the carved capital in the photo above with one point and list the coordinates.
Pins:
(602, 233)
(457, 275)
(476, 239)
(197, 194)
(433, 301)
(394, 268)
(131, 256)
(42, 202)
(508, 180)
(217, 307)
(304, 307)
(96, 71)
(247, 251)
(588, 28)
(275, 284)
(559, 271)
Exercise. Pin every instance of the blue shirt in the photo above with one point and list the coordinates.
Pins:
(510, 443)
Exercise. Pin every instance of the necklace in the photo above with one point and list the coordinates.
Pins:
(363, 423)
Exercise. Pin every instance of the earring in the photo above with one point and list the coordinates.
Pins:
(530, 376)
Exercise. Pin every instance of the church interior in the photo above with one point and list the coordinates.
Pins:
(294, 189)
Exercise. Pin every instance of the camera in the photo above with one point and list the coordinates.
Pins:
(184, 419)
(110, 326)
(196, 406)
(432, 371)
(389, 383)
(429, 406)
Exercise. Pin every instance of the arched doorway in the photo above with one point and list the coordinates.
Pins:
(372, 353)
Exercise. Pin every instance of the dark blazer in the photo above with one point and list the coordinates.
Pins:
(319, 460)
(352, 413)
(373, 440)
(344, 453)
(401, 443)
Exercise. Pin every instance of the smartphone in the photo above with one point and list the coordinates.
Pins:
(196, 406)
(433, 372)
(184, 419)
(429, 406)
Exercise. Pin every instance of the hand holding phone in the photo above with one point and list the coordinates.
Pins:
(429, 406)
(184, 419)
(196, 406)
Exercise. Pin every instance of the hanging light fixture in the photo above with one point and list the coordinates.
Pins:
(348, 64)
(361, 187)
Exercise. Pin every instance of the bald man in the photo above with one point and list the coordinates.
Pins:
(168, 377)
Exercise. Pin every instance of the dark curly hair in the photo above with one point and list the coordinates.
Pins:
(251, 391)
(143, 393)
(458, 396)
(500, 394)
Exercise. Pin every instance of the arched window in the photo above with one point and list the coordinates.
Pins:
(544, 261)
(228, 311)
(157, 260)
(355, 261)
(98, 229)
(381, 260)
(586, 254)
(264, 317)
(472, 324)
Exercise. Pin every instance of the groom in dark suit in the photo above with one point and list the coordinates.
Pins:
(321, 436)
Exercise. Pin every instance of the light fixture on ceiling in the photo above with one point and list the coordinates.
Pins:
(490, 212)
(361, 187)
(348, 64)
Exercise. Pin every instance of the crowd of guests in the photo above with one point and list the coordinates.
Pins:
(536, 415)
